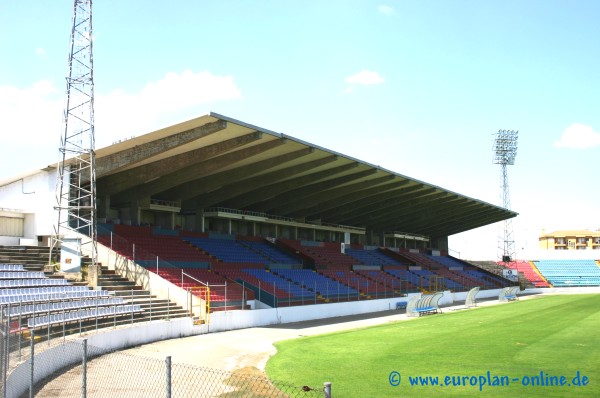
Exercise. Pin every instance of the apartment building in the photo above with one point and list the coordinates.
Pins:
(570, 240)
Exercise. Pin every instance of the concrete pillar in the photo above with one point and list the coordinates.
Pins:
(135, 213)
(94, 272)
(199, 221)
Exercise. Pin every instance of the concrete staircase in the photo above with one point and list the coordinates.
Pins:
(33, 258)
(154, 307)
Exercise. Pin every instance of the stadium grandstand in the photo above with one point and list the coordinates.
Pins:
(215, 224)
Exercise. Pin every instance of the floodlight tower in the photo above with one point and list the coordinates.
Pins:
(505, 152)
(75, 206)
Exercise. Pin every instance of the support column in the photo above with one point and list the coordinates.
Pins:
(104, 207)
(94, 272)
(135, 213)
(199, 220)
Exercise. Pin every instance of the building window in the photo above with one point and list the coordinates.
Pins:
(11, 226)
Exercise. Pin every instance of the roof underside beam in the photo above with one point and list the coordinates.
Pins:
(370, 202)
(336, 204)
(199, 186)
(311, 193)
(171, 165)
(269, 191)
(113, 162)
(250, 184)
(192, 172)
(402, 208)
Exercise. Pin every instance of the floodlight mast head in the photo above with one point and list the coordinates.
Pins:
(505, 147)
(505, 152)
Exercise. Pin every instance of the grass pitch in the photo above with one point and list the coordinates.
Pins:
(547, 346)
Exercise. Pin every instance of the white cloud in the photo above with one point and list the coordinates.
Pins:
(578, 136)
(171, 99)
(365, 78)
(31, 118)
(385, 9)
(362, 78)
(40, 51)
(29, 114)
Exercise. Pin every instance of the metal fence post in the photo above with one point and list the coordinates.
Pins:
(168, 380)
(48, 324)
(5, 356)
(6, 351)
(84, 370)
(327, 389)
(131, 302)
(32, 362)
(20, 330)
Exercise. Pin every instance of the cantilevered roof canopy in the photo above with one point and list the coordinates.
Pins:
(216, 161)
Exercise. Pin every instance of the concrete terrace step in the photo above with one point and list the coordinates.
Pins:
(114, 282)
(33, 258)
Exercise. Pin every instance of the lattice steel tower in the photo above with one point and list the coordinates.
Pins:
(505, 152)
(75, 210)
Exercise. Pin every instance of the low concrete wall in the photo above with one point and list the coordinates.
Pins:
(9, 241)
(230, 320)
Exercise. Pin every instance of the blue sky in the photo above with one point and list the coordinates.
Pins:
(417, 87)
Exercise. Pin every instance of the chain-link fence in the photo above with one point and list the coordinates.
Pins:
(47, 323)
(76, 369)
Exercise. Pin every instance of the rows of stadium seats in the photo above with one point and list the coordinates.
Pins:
(323, 254)
(456, 278)
(371, 257)
(361, 272)
(570, 272)
(248, 279)
(293, 289)
(390, 283)
(222, 291)
(38, 301)
(410, 280)
(317, 282)
(141, 243)
(227, 250)
(468, 271)
(359, 282)
(271, 253)
(529, 270)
